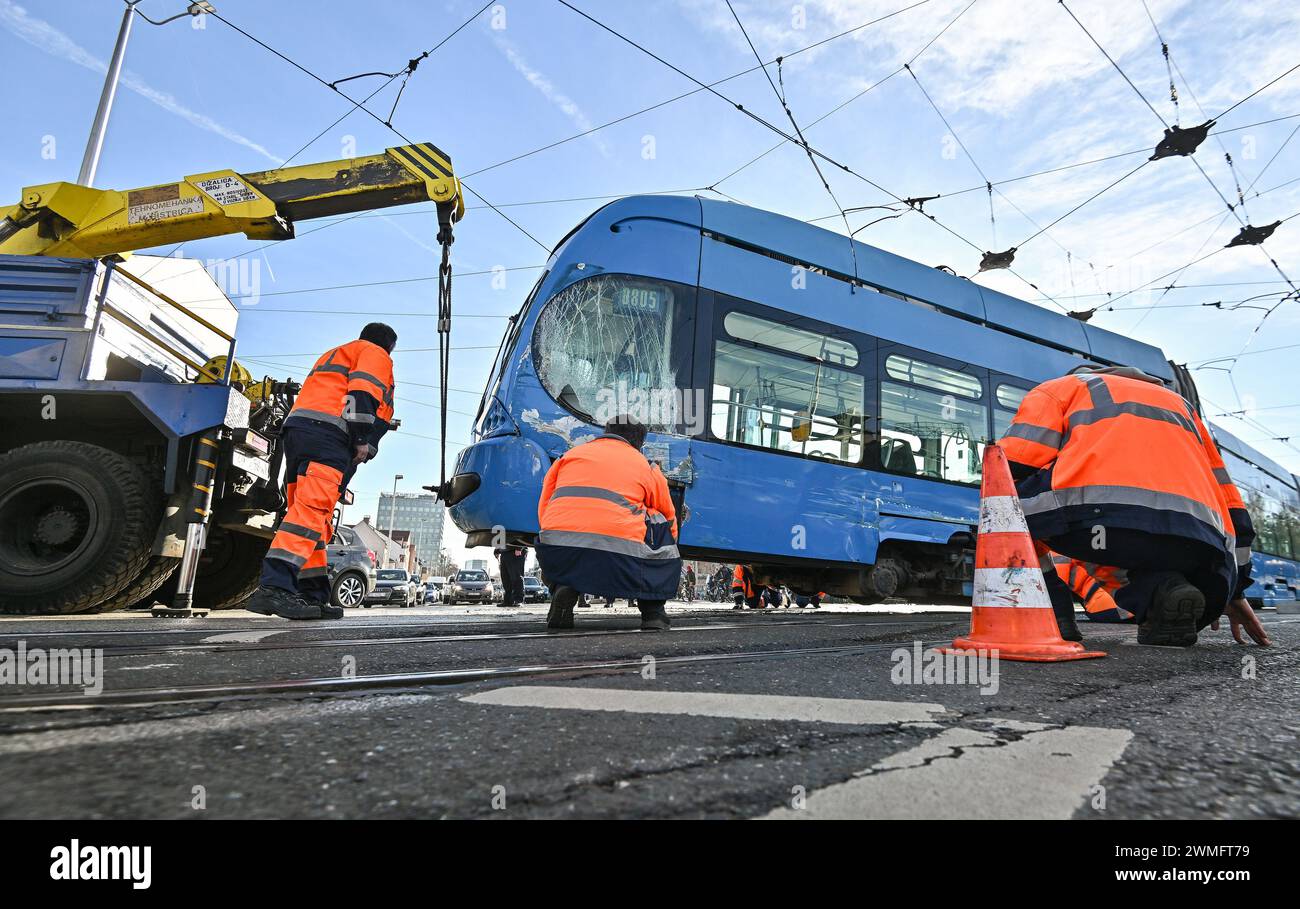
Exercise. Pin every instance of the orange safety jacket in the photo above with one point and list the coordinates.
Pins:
(604, 495)
(742, 579)
(1112, 447)
(350, 387)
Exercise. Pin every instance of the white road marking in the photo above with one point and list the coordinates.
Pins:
(242, 637)
(965, 773)
(150, 666)
(734, 706)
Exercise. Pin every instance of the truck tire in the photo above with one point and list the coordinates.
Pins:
(140, 592)
(77, 523)
(229, 570)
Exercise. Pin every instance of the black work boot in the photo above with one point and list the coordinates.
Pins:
(330, 611)
(1172, 619)
(655, 621)
(1064, 613)
(281, 602)
(560, 616)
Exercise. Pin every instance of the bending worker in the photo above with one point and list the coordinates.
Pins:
(1115, 469)
(343, 410)
(608, 524)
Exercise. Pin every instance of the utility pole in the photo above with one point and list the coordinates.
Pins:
(98, 129)
(392, 508)
(95, 144)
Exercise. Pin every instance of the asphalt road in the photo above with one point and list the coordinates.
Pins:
(478, 712)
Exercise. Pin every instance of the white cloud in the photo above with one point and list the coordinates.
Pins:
(547, 88)
(45, 37)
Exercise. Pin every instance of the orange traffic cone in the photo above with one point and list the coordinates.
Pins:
(1011, 612)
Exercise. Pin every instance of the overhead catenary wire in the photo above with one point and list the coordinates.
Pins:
(756, 118)
(378, 119)
(843, 104)
(780, 96)
(645, 110)
(1064, 167)
(987, 182)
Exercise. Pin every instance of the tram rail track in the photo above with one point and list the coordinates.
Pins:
(118, 651)
(339, 685)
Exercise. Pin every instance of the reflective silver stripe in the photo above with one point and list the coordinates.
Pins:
(298, 530)
(311, 573)
(342, 370)
(583, 540)
(596, 492)
(1122, 495)
(1031, 433)
(1221, 474)
(1097, 389)
(1243, 555)
(1146, 411)
(320, 415)
(362, 418)
(359, 374)
(285, 555)
(655, 517)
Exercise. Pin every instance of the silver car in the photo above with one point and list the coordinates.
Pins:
(469, 585)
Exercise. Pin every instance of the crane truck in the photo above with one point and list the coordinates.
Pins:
(139, 461)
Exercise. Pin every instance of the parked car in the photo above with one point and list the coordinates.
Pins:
(393, 587)
(351, 569)
(469, 585)
(433, 589)
(535, 591)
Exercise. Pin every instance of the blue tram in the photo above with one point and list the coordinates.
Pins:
(820, 410)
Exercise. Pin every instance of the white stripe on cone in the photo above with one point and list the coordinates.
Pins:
(1002, 514)
(1016, 588)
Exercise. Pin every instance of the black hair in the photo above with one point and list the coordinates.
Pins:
(627, 427)
(381, 334)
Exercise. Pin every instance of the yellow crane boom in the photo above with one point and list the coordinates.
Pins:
(66, 219)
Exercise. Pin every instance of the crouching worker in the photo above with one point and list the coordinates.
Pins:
(744, 592)
(608, 524)
(344, 408)
(1115, 469)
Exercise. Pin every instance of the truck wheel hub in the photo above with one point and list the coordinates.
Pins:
(56, 527)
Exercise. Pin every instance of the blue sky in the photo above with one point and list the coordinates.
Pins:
(1020, 84)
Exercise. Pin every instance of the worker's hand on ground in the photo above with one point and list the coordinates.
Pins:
(363, 453)
(1240, 615)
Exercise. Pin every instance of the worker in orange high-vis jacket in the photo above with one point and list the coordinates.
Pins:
(1089, 581)
(1114, 468)
(744, 592)
(608, 526)
(337, 420)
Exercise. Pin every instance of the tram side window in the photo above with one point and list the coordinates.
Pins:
(1274, 507)
(932, 421)
(801, 405)
(605, 345)
(1007, 399)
